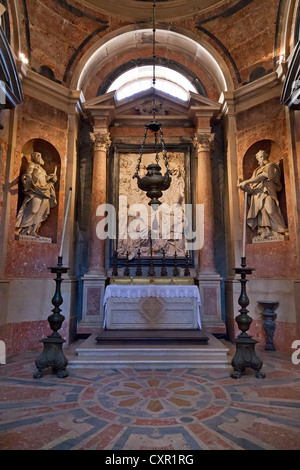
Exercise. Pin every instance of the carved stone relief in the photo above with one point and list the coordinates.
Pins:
(138, 226)
(146, 109)
(152, 309)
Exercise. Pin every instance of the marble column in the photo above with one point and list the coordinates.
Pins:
(101, 143)
(94, 279)
(208, 277)
(204, 146)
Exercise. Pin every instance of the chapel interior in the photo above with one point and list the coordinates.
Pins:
(80, 80)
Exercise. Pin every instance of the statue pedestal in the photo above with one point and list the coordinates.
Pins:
(31, 238)
(271, 239)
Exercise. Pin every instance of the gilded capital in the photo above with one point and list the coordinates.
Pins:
(101, 141)
(204, 142)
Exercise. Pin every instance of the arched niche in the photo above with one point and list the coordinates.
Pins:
(52, 159)
(250, 163)
(142, 10)
(134, 37)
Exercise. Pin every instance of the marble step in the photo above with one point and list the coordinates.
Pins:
(152, 336)
(138, 355)
(159, 362)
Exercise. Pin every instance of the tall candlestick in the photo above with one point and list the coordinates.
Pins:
(244, 224)
(65, 223)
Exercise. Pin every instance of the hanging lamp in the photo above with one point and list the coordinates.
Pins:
(154, 183)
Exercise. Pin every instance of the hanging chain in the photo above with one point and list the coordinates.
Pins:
(164, 152)
(156, 149)
(136, 175)
(154, 61)
(168, 172)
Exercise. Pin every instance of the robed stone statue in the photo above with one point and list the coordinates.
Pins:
(40, 197)
(264, 213)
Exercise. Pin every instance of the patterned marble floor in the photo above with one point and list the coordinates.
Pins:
(127, 409)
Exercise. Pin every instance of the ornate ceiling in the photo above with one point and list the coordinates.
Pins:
(141, 10)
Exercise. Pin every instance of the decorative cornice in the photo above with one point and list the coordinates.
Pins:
(251, 95)
(50, 92)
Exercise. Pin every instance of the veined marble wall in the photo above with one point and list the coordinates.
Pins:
(26, 284)
(276, 272)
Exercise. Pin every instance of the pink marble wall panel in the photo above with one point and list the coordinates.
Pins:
(285, 334)
(93, 301)
(209, 301)
(268, 122)
(36, 121)
(26, 336)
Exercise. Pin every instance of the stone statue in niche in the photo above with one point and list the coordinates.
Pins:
(264, 213)
(40, 198)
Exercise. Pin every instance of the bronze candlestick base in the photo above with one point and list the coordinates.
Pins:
(245, 356)
(52, 355)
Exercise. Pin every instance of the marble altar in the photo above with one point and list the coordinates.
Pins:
(168, 307)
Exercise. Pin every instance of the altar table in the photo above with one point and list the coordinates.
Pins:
(152, 307)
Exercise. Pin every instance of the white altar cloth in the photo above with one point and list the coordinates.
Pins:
(159, 291)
